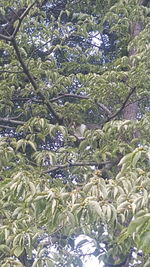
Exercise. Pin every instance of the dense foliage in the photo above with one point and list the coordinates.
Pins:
(74, 132)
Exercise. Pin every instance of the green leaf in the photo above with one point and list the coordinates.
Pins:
(145, 241)
(95, 207)
(5, 249)
(18, 251)
(136, 157)
(138, 222)
(32, 145)
(126, 159)
(147, 263)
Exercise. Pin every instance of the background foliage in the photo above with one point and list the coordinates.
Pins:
(74, 132)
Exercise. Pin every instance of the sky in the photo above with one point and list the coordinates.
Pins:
(88, 247)
(93, 261)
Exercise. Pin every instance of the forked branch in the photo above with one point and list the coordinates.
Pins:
(122, 107)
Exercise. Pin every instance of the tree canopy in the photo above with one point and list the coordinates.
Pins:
(74, 132)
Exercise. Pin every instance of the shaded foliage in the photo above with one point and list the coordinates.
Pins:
(74, 124)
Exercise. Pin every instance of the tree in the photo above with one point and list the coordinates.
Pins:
(74, 87)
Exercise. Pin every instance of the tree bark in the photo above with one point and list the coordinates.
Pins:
(131, 109)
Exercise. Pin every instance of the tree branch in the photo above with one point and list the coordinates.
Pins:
(16, 117)
(21, 19)
(34, 84)
(123, 105)
(52, 99)
(39, 47)
(76, 164)
(7, 127)
(11, 121)
(68, 95)
(9, 71)
(23, 65)
(102, 106)
(5, 37)
(145, 2)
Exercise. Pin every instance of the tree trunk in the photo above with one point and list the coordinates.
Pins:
(131, 110)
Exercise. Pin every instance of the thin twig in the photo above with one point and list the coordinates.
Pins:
(5, 37)
(39, 47)
(102, 106)
(9, 71)
(7, 127)
(16, 117)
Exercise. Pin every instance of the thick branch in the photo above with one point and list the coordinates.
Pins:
(11, 121)
(123, 105)
(100, 105)
(23, 65)
(68, 95)
(21, 19)
(52, 99)
(76, 164)
(34, 84)
(25, 68)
